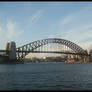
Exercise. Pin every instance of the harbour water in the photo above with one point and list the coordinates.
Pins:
(46, 76)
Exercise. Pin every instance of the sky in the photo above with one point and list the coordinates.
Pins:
(25, 22)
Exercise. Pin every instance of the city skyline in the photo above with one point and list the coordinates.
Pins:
(25, 22)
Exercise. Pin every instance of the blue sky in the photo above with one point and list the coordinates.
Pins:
(24, 22)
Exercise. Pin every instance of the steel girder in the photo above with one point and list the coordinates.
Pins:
(33, 45)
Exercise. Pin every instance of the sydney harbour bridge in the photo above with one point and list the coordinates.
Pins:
(61, 46)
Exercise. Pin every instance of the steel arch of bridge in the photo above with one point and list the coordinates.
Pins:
(33, 45)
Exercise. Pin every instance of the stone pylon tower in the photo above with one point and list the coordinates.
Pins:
(90, 55)
(11, 47)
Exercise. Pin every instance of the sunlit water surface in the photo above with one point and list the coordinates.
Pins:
(46, 76)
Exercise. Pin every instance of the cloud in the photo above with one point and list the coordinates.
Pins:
(80, 36)
(36, 17)
(80, 33)
(77, 27)
(9, 32)
(85, 35)
(51, 36)
(86, 45)
(12, 30)
(0, 28)
(77, 15)
(67, 19)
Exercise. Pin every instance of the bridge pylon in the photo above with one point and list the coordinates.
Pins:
(90, 55)
(11, 47)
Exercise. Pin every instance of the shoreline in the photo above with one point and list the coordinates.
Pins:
(7, 61)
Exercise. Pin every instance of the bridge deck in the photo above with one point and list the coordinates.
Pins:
(3, 50)
(52, 52)
(46, 52)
